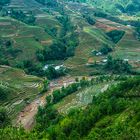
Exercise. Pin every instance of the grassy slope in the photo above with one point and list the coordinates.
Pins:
(23, 38)
(81, 98)
(27, 38)
(113, 114)
(93, 37)
(108, 5)
(90, 38)
(128, 47)
(23, 88)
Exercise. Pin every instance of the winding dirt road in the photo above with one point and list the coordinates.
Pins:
(26, 116)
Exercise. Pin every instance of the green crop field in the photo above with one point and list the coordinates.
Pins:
(26, 38)
(81, 98)
(69, 69)
(23, 89)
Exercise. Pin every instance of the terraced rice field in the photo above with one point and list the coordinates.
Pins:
(24, 89)
(81, 98)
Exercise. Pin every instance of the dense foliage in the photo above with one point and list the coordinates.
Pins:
(115, 35)
(6, 48)
(118, 66)
(105, 49)
(4, 119)
(65, 91)
(138, 33)
(21, 16)
(113, 114)
(64, 45)
(52, 73)
(100, 117)
(89, 19)
(4, 93)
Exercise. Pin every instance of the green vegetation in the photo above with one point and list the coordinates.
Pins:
(4, 119)
(90, 20)
(99, 39)
(64, 45)
(118, 6)
(60, 94)
(17, 89)
(105, 49)
(19, 15)
(3, 2)
(4, 93)
(51, 73)
(118, 66)
(138, 33)
(115, 35)
(98, 118)
(113, 114)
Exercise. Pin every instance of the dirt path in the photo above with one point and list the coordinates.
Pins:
(26, 116)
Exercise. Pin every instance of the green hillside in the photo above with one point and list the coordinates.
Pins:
(27, 34)
(113, 114)
(69, 69)
(115, 6)
(17, 89)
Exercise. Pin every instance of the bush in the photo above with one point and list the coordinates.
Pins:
(19, 15)
(105, 49)
(4, 93)
(118, 66)
(115, 35)
(4, 119)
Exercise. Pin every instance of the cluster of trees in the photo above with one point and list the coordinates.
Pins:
(4, 119)
(30, 67)
(65, 91)
(37, 69)
(131, 8)
(64, 44)
(21, 16)
(51, 31)
(56, 51)
(138, 33)
(89, 19)
(6, 48)
(52, 73)
(135, 23)
(117, 66)
(68, 36)
(97, 120)
(105, 49)
(3, 93)
(115, 35)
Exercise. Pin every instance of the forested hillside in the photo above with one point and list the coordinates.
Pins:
(69, 69)
(113, 114)
(115, 6)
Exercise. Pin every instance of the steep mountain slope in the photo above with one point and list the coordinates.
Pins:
(17, 89)
(96, 41)
(113, 114)
(29, 39)
(117, 6)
